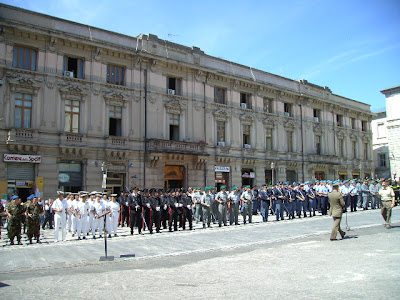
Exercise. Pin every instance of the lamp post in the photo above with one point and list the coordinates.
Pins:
(104, 171)
(360, 170)
(272, 171)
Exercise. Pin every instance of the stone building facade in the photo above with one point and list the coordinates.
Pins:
(392, 123)
(85, 108)
(380, 145)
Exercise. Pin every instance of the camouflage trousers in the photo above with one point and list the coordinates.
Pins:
(33, 227)
(14, 230)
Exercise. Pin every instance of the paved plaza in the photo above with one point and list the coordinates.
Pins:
(285, 259)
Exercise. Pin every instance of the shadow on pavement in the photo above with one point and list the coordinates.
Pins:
(3, 284)
(347, 237)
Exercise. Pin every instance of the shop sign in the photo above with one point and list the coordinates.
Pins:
(63, 177)
(222, 169)
(22, 158)
(116, 168)
(24, 183)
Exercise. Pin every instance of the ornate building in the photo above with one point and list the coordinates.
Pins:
(84, 107)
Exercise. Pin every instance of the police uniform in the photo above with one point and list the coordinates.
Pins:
(301, 201)
(234, 200)
(222, 198)
(247, 203)
(279, 199)
(264, 202)
(206, 202)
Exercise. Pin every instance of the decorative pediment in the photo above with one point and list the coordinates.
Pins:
(116, 98)
(220, 113)
(269, 122)
(289, 125)
(71, 91)
(24, 83)
(174, 106)
(246, 117)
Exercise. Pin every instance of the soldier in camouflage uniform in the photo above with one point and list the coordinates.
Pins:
(15, 210)
(33, 210)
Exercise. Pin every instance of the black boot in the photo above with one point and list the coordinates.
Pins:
(30, 241)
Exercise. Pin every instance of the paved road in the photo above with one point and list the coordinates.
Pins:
(265, 260)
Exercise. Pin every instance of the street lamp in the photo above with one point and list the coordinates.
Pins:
(104, 170)
(272, 171)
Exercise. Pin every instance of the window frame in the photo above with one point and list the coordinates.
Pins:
(80, 63)
(220, 91)
(268, 105)
(111, 78)
(73, 114)
(247, 97)
(22, 109)
(221, 131)
(246, 134)
(117, 115)
(32, 59)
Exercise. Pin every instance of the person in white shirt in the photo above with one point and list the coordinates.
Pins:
(74, 215)
(60, 216)
(69, 199)
(91, 201)
(112, 217)
(83, 215)
(98, 209)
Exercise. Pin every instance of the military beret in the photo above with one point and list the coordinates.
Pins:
(207, 188)
(14, 197)
(223, 187)
(234, 187)
(29, 197)
(113, 195)
(60, 192)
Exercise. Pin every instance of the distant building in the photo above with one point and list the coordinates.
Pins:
(83, 108)
(380, 145)
(393, 128)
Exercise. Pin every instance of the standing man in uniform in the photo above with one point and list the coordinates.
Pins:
(14, 211)
(386, 194)
(247, 203)
(264, 201)
(60, 207)
(33, 212)
(206, 202)
(336, 210)
(222, 198)
(234, 198)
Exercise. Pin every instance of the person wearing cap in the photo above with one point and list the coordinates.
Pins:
(247, 204)
(336, 210)
(99, 210)
(112, 220)
(234, 199)
(291, 201)
(373, 190)
(378, 188)
(264, 197)
(135, 210)
(206, 202)
(91, 201)
(14, 211)
(256, 200)
(60, 216)
(69, 198)
(222, 198)
(301, 197)
(365, 195)
(187, 213)
(311, 199)
(48, 214)
(279, 196)
(74, 214)
(32, 213)
(386, 194)
(354, 193)
(197, 204)
(323, 191)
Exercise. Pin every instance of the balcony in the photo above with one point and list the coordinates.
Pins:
(116, 142)
(158, 145)
(72, 139)
(22, 136)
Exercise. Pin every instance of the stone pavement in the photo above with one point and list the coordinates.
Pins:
(74, 253)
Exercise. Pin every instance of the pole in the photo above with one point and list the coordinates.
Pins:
(106, 257)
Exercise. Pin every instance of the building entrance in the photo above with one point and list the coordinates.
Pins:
(174, 177)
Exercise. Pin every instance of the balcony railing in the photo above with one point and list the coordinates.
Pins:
(22, 135)
(116, 142)
(69, 138)
(174, 146)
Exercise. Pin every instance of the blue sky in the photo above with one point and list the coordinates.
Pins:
(351, 46)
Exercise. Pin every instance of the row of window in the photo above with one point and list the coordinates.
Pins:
(23, 110)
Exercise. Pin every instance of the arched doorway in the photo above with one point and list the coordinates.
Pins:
(174, 177)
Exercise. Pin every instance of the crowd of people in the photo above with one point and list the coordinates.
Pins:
(96, 214)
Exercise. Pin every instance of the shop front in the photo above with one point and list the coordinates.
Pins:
(222, 177)
(70, 176)
(319, 175)
(21, 170)
(342, 176)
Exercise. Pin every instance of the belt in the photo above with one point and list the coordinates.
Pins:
(386, 200)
